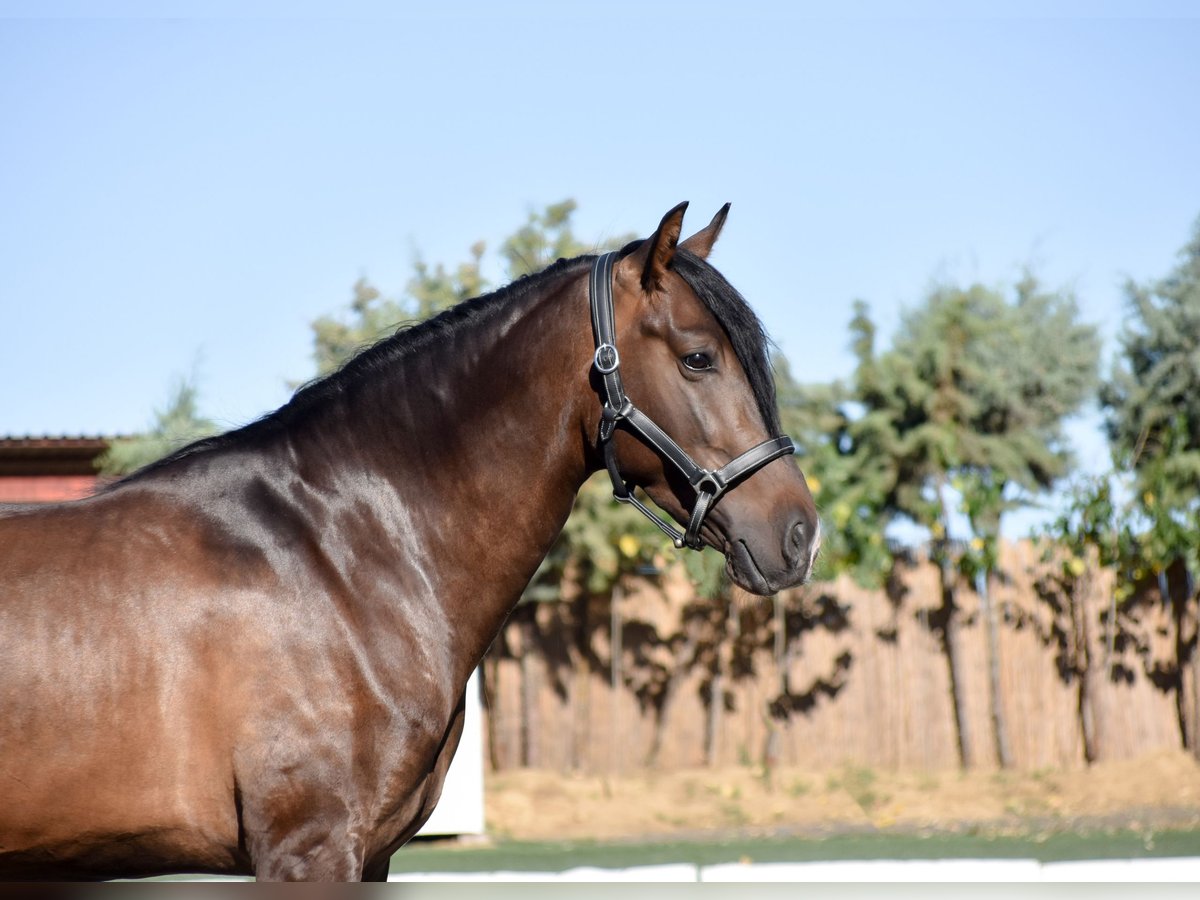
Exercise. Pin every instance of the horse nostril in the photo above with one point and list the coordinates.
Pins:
(794, 547)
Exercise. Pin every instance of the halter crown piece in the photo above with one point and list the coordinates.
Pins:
(619, 410)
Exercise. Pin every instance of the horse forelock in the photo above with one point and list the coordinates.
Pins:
(743, 327)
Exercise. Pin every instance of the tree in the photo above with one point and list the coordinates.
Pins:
(962, 414)
(1093, 532)
(178, 424)
(1152, 403)
(545, 237)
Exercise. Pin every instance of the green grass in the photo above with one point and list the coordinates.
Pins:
(558, 856)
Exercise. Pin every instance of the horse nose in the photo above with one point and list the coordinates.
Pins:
(801, 543)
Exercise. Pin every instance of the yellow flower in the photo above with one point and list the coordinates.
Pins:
(628, 545)
(814, 485)
(977, 544)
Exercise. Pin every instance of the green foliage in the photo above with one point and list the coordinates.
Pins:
(436, 289)
(966, 399)
(373, 316)
(602, 540)
(707, 573)
(1091, 518)
(1168, 502)
(547, 236)
(1153, 412)
(336, 341)
(962, 403)
(178, 424)
(983, 503)
(1154, 387)
(1094, 527)
(846, 479)
(1152, 402)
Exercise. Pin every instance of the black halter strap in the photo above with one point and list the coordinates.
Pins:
(618, 410)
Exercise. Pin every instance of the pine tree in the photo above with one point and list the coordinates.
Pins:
(1152, 401)
(962, 414)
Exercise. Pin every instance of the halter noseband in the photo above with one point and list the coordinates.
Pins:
(709, 485)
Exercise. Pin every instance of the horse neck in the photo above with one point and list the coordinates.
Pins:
(474, 448)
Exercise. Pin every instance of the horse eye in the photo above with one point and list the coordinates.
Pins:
(698, 362)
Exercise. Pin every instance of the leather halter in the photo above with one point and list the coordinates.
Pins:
(709, 484)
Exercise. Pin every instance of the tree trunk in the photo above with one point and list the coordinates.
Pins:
(530, 689)
(1184, 605)
(489, 682)
(681, 667)
(995, 696)
(1085, 666)
(716, 705)
(951, 617)
(716, 714)
(581, 693)
(772, 745)
(951, 636)
(617, 676)
(1192, 604)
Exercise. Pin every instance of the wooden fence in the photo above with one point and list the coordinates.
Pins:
(833, 674)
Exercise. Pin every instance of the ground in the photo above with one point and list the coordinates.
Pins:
(1161, 791)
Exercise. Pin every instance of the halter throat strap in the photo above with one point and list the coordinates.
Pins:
(618, 411)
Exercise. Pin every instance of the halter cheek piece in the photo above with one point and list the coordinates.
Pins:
(618, 410)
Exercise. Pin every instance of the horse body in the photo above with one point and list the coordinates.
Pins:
(251, 657)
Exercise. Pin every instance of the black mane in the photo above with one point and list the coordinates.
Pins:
(378, 357)
(412, 337)
(728, 307)
(745, 331)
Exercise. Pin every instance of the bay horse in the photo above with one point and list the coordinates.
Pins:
(250, 657)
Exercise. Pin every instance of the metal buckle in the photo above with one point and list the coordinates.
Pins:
(616, 359)
(709, 483)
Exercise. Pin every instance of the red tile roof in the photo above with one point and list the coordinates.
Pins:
(32, 455)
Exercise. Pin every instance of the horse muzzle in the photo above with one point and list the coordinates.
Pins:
(766, 564)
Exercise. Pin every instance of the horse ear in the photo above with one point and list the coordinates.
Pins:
(701, 243)
(654, 256)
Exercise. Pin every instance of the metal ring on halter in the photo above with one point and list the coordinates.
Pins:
(709, 483)
(616, 359)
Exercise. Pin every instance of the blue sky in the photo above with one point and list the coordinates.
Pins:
(183, 192)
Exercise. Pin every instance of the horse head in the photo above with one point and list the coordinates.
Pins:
(694, 366)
